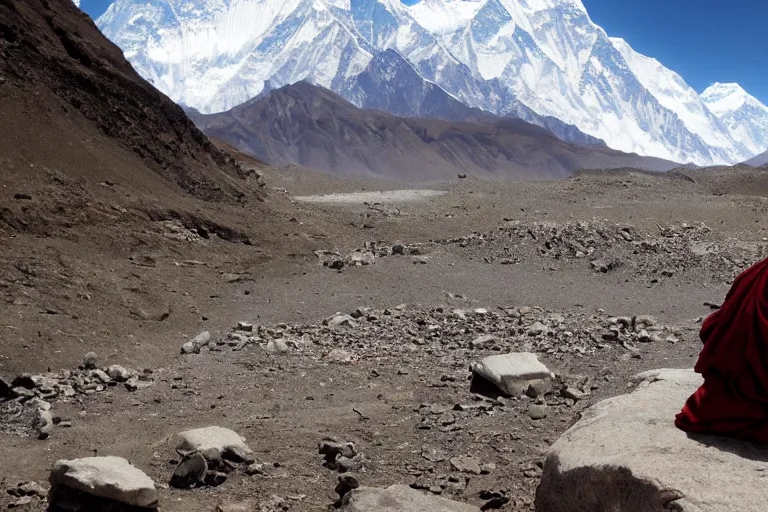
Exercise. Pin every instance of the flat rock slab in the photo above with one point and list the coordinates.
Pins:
(513, 373)
(215, 443)
(399, 498)
(626, 455)
(111, 478)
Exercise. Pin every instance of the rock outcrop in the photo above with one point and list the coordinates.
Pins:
(626, 454)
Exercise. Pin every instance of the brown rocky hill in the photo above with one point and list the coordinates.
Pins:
(117, 215)
(74, 113)
(313, 127)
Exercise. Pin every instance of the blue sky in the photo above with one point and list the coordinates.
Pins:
(706, 41)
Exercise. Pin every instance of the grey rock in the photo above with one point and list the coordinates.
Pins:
(118, 374)
(190, 472)
(399, 498)
(538, 412)
(572, 393)
(43, 423)
(244, 326)
(215, 478)
(339, 321)
(537, 328)
(466, 465)
(189, 348)
(254, 469)
(644, 321)
(276, 347)
(338, 355)
(201, 340)
(112, 478)
(214, 443)
(90, 361)
(100, 375)
(643, 336)
(512, 373)
(22, 502)
(483, 341)
(626, 454)
(246, 506)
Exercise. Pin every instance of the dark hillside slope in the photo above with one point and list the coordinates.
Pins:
(313, 127)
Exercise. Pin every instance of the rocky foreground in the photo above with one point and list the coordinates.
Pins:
(487, 371)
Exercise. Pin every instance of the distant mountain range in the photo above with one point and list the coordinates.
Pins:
(543, 61)
(313, 127)
(760, 160)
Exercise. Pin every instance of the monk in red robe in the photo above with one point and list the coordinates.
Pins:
(733, 401)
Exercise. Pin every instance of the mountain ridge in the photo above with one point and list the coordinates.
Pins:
(313, 127)
(533, 60)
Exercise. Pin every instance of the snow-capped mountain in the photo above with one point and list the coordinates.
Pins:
(536, 59)
(742, 114)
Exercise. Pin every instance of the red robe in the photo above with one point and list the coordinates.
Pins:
(733, 401)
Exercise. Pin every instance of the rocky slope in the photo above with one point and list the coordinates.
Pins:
(534, 60)
(313, 127)
(73, 105)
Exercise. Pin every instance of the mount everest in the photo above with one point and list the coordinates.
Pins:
(544, 61)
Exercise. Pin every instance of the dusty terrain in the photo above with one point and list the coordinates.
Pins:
(136, 293)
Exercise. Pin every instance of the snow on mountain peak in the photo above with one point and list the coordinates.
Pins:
(529, 58)
(745, 117)
(723, 98)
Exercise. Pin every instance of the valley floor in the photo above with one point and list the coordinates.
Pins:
(567, 254)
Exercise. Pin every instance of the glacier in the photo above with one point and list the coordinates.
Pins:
(540, 60)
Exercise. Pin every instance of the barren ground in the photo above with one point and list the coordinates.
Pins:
(135, 295)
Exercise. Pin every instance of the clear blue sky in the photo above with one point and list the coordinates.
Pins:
(706, 41)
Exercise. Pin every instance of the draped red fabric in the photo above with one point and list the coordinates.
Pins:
(733, 401)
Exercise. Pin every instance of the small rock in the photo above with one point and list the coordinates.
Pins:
(644, 321)
(420, 260)
(236, 507)
(339, 321)
(111, 478)
(215, 443)
(400, 498)
(537, 328)
(190, 472)
(117, 373)
(346, 483)
(485, 339)
(254, 469)
(338, 355)
(43, 423)
(215, 478)
(398, 249)
(538, 412)
(20, 502)
(189, 348)
(572, 393)
(644, 337)
(244, 326)
(90, 360)
(276, 347)
(466, 465)
(512, 373)
(201, 340)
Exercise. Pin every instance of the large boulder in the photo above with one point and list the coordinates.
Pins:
(110, 478)
(399, 498)
(214, 443)
(626, 455)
